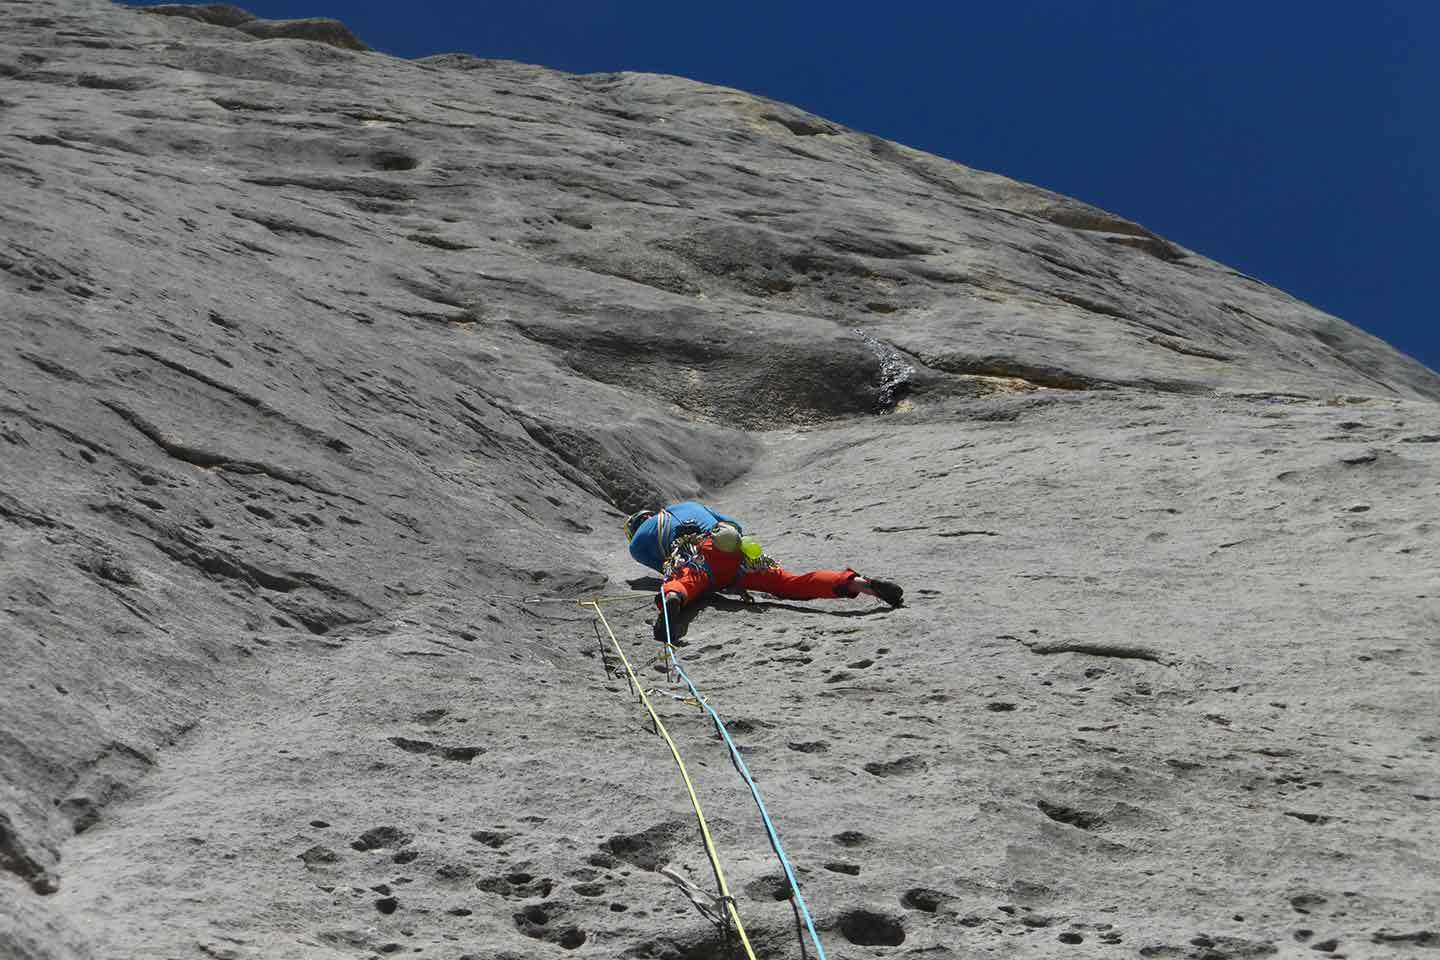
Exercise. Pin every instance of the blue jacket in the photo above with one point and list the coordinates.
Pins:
(655, 537)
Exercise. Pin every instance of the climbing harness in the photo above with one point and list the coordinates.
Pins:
(709, 842)
(686, 553)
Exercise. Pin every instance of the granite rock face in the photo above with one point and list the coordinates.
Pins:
(319, 29)
(319, 362)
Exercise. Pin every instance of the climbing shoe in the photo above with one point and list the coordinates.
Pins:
(891, 593)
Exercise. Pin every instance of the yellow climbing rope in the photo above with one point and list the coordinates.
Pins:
(728, 900)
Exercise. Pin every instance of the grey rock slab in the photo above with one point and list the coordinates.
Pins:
(323, 364)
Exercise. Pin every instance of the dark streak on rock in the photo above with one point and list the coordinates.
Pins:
(16, 859)
(460, 754)
(310, 433)
(1119, 650)
(1180, 345)
(282, 227)
(1060, 813)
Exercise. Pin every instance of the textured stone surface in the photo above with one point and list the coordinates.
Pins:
(317, 359)
(319, 29)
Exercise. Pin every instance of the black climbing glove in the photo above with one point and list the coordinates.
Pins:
(673, 602)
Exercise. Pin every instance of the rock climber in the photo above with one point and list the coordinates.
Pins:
(698, 550)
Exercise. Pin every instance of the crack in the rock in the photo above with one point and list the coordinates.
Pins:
(133, 466)
(1058, 378)
(282, 227)
(1121, 651)
(364, 186)
(426, 748)
(16, 859)
(179, 544)
(16, 512)
(1182, 346)
(51, 367)
(1039, 375)
(309, 432)
(210, 459)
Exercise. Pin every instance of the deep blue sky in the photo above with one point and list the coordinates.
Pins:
(1295, 141)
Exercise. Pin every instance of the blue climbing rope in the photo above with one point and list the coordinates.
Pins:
(744, 772)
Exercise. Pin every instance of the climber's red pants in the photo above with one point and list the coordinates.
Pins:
(691, 583)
